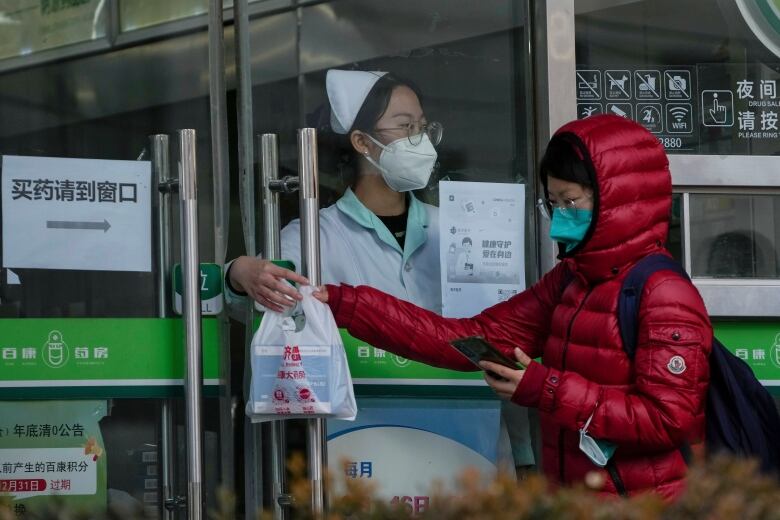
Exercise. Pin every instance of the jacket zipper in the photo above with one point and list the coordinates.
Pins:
(563, 367)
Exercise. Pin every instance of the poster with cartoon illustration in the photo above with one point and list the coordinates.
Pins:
(482, 236)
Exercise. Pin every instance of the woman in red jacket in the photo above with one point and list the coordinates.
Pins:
(608, 184)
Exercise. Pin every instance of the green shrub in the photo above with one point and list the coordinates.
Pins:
(722, 488)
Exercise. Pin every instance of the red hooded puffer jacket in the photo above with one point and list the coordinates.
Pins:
(647, 407)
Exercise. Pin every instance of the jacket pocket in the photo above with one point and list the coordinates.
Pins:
(675, 334)
(672, 355)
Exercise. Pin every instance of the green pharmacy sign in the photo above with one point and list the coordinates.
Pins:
(758, 345)
(105, 357)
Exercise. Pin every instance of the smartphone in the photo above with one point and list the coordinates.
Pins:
(476, 349)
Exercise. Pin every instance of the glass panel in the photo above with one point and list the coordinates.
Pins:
(137, 14)
(701, 75)
(465, 58)
(468, 65)
(104, 107)
(30, 26)
(735, 236)
(83, 117)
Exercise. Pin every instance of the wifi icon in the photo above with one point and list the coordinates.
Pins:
(679, 118)
(678, 113)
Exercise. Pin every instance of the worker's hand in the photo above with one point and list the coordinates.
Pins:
(506, 383)
(265, 282)
(321, 294)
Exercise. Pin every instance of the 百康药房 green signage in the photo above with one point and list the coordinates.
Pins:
(106, 357)
(758, 345)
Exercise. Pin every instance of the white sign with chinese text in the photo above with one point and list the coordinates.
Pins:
(80, 214)
(47, 471)
(482, 230)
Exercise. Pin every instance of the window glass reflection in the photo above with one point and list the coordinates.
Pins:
(470, 80)
(484, 137)
(28, 26)
(701, 75)
(734, 236)
(136, 14)
(92, 114)
(467, 64)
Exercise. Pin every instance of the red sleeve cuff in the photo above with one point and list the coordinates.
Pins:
(529, 391)
(334, 298)
(341, 300)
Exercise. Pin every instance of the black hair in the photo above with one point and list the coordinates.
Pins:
(567, 159)
(336, 153)
(377, 100)
(562, 161)
(467, 239)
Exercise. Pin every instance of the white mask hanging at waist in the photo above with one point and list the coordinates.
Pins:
(404, 166)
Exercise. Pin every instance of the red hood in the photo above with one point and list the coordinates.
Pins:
(633, 195)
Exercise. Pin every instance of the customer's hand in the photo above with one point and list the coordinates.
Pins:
(506, 384)
(265, 282)
(321, 294)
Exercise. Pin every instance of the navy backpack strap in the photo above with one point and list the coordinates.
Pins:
(631, 293)
(566, 280)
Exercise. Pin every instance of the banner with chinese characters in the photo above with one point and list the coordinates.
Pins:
(756, 343)
(482, 227)
(108, 357)
(740, 104)
(52, 448)
(80, 214)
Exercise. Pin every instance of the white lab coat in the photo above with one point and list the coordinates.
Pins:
(356, 248)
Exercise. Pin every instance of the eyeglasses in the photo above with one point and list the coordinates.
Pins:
(416, 129)
(567, 207)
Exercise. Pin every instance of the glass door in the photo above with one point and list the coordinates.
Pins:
(469, 67)
(79, 286)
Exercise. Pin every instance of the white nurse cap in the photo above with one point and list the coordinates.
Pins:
(347, 90)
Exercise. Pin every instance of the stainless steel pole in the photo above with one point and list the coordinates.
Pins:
(161, 179)
(253, 468)
(270, 172)
(219, 134)
(309, 204)
(221, 186)
(272, 249)
(310, 260)
(161, 176)
(188, 191)
(244, 116)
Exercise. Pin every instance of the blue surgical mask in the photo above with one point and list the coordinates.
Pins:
(597, 450)
(570, 229)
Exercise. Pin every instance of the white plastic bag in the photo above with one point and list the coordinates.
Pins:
(300, 374)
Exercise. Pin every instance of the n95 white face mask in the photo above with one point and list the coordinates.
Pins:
(404, 166)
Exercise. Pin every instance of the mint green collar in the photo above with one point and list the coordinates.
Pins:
(416, 224)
